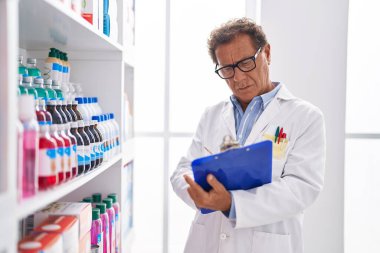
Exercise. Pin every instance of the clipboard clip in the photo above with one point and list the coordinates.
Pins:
(229, 143)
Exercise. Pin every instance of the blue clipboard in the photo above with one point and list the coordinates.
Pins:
(237, 169)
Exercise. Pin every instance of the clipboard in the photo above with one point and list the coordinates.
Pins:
(237, 169)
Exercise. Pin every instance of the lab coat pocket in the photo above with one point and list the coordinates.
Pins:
(274, 243)
(196, 240)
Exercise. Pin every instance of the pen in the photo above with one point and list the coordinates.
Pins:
(280, 135)
(276, 135)
(207, 150)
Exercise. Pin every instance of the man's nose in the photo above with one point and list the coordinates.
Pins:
(239, 75)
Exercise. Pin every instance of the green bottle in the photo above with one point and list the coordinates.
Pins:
(22, 70)
(27, 83)
(49, 90)
(57, 87)
(21, 89)
(38, 85)
(33, 71)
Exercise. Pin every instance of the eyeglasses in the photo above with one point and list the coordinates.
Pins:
(245, 65)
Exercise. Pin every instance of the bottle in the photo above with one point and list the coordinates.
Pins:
(82, 108)
(74, 157)
(61, 158)
(86, 141)
(79, 148)
(52, 66)
(116, 131)
(105, 222)
(69, 107)
(33, 71)
(103, 132)
(38, 85)
(94, 163)
(97, 142)
(96, 229)
(68, 68)
(39, 114)
(51, 94)
(20, 157)
(47, 171)
(97, 198)
(100, 144)
(96, 105)
(27, 83)
(112, 228)
(60, 111)
(52, 109)
(90, 107)
(66, 112)
(42, 108)
(65, 69)
(30, 138)
(67, 149)
(88, 200)
(111, 142)
(57, 88)
(22, 69)
(74, 106)
(116, 207)
(21, 89)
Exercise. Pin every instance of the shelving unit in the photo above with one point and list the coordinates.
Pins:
(103, 67)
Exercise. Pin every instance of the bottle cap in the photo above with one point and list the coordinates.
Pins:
(96, 118)
(95, 99)
(26, 107)
(74, 124)
(102, 207)
(31, 60)
(113, 196)
(52, 102)
(112, 116)
(80, 123)
(97, 197)
(108, 202)
(87, 200)
(95, 213)
(84, 100)
(75, 102)
(56, 84)
(27, 79)
(20, 58)
(79, 100)
(48, 82)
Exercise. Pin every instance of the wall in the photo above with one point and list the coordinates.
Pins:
(309, 45)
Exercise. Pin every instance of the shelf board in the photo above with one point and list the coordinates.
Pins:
(48, 23)
(128, 151)
(129, 56)
(41, 199)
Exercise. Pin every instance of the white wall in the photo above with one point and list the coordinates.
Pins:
(309, 45)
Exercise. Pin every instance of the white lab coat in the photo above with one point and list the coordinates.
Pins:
(268, 218)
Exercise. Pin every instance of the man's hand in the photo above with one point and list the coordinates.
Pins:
(218, 198)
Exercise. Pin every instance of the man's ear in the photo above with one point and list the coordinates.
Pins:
(267, 53)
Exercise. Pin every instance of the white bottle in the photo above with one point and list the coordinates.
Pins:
(103, 131)
(82, 109)
(89, 107)
(110, 134)
(97, 107)
(117, 132)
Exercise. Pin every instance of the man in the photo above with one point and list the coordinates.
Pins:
(268, 218)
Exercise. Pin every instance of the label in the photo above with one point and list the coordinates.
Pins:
(80, 155)
(74, 159)
(47, 162)
(87, 153)
(93, 158)
(61, 159)
(67, 158)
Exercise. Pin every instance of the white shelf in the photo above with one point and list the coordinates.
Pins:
(44, 198)
(127, 242)
(129, 151)
(48, 23)
(129, 56)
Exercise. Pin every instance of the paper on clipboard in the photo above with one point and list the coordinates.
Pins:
(237, 169)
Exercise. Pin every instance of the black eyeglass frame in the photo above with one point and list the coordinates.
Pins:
(237, 65)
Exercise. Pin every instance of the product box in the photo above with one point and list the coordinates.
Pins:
(85, 243)
(82, 211)
(67, 226)
(41, 242)
(90, 11)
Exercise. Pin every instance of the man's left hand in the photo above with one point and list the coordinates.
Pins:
(218, 198)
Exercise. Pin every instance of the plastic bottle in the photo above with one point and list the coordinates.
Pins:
(116, 207)
(67, 149)
(82, 109)
(61, 112)
(52, 109)
(66, 112)
(65, 70)
(22, 69)
(86, 141)
(96, 105)
(69, 107)
(94, 162)
(20, 157)
(60, 72)
(111, 141)
(79, 148)
(52, 66)
(61, 162)
(68, 68)
(28, 174)
(100, 144)
(112, 228)
(21, 89)
(74, 157)
(97, 142)
(27, 83)
(39, 114)
(57, 87)
(91, 107)
(97, 229)
(47, 172)
(103, 132)
(74, 106)
(38, 85)
(33, 71)
(42, 108)
(105, 222)
(51, 94)
(117, 132)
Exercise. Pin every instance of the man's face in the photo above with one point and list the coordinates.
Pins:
(245, 85)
